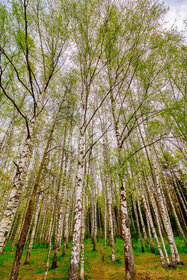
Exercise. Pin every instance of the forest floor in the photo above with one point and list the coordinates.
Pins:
(98, 264)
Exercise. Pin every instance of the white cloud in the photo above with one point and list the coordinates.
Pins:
(177, 13)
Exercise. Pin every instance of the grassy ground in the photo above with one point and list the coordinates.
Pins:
(98, 264)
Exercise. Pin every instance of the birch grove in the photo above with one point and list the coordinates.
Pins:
(92, 132)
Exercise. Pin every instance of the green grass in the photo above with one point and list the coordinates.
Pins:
(98, 263)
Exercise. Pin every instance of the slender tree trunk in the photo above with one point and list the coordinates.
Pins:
(75, 250)
(4, 145)
(66, 226)
(94, 206)
(104, 209)
(28, 217)
(58, 234)
(157, 191)
(51, 224)
(42, 228)
(19, 228)
(16, 236)
(67, 211)
(60, 218)
(181, 199)
(51, 227)
(126, 235)
(148, 222)
(138, 224)
(83, 229)
(110, 217)
(178, 207)
(147, 209)
(167, 187)
(175, 213)
(166, 223)
(155, 209)
(27, 259)
(13, 201)
(150, 236)
(125, 221)
(109, 196)
(18, 183)
(143, 224)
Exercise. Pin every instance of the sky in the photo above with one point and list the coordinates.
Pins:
(177, 13)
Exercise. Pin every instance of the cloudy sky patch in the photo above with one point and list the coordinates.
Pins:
(177, 13)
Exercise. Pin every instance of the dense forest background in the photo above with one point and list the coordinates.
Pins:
(92, 141)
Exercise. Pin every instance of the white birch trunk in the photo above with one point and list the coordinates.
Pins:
(175, 213)
(183, 202)
(18, 184)
(13, 201)
(147, 209)
(51, 227)
(104, 209)
(75, 250)
(109, 198)
(126, 235)
(155, 209)
(82, 233)
(142, 224)
(165, 218)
